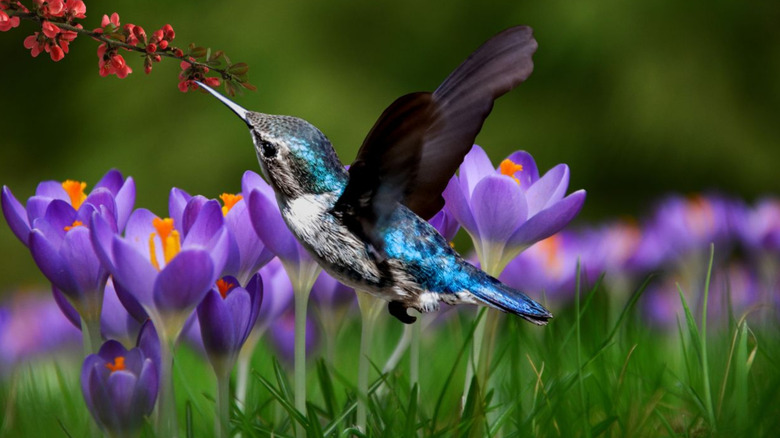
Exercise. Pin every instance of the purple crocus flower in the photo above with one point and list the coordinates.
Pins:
(758, 228)
(508, 209)
(119, 387)
(31, 325)
(226, 317)
(246, 252)
(166, 273)
(112, 192)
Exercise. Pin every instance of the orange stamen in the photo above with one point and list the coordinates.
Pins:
(223, 287)
(229, 200)
(75, 190)
(74, 225)
(117, 365)
(169, 237)
(509, 167)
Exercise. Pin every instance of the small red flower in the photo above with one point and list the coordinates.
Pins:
(75, 9)
(34, 44)
(111, 63)
(7, 23)
(51, 8)
(50, 30)
(113, 20)
(169, 33)
(55, 51)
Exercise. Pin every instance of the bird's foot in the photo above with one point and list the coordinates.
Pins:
(397, 309)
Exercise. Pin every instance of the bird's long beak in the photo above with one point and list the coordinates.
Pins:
(240, 112)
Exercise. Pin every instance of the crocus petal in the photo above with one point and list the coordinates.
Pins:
(65, 307)
(239, 304)
(549, 221)
(253, 254)
(149, 342)
(217, 325)
(206, 223)
(101, 197)
(102, 406)
(15, 215)
(138, 229)
(184, 282)
(251, 181)
(50, 263)
(458, 204)
(82, 262)
(270, 227)
(102, 235)
(476, 165)
(499, 206)
(133, 271)
(51, 189)
(177, 201)
(255, 289)
(191, 212)
(90, 363)
(121, 387)
(277, 292)
(530, 173)
(59, 214)
(548, 190)
(146, 390)
(112, 181)
(115, 321)
(125, 200)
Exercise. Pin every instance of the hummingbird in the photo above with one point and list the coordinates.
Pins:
(366, 226)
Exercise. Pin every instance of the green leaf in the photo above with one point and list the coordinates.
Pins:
(294, 413)
(238, 69)
(198, 52)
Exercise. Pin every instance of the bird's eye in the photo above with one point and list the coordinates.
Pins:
(269, 150)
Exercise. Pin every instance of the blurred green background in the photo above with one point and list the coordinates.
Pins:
(639, 98)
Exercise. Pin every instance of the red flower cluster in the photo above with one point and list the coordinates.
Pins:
(58, 21)
(193, 72)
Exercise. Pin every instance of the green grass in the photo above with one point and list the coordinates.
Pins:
(596, 370)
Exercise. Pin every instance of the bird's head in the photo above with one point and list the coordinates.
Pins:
(295, 156)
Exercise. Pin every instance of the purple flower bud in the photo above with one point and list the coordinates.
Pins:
(227, 315)
(119, 387)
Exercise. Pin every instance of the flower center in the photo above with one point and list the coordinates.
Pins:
(75, 190)
(117, 365)
(224, 287)
(509, 168)
(169, 237)
(74, 225)
(229, 200)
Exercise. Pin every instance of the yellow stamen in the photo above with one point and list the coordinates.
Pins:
(117, 365)
(223, 287)
(229, 200)
(75, 190)
(509, 167)
(169, 237)
(452, 244)
(74, 225)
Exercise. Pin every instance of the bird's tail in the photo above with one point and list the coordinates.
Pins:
(502, 297)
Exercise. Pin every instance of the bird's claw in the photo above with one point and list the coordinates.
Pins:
(397, 309)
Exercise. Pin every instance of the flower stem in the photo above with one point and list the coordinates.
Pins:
(166, 402)
(244, 362)
(414, 352)
(90, 335)
(369, 310)
(301, 306)
(223, 404)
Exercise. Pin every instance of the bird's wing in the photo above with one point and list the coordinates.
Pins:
(420, 140)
